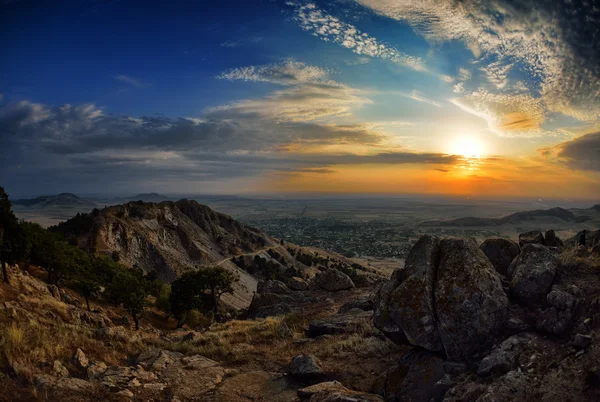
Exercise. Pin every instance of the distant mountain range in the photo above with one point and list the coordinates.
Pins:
(575, 215)
(63, 200)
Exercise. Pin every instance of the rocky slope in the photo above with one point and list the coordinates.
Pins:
(171, 237)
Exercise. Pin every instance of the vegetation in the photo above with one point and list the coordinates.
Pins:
(13, 243)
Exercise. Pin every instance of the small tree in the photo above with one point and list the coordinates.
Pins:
(13, 242)
(218, 281)
(86, 288)
(187, 294)
(130, 289)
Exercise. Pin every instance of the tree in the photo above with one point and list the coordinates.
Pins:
(86, 288)
(130, 289)
(187, 294)
(218, 281)
(13, 242)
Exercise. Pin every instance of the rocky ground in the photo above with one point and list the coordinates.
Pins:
(458, 322)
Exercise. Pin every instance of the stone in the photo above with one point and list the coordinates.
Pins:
(501, 252)
(551, 240)
(59, 369)
(95, 370)
(305, 366)
(269, 304)
(190, 336)
(414, 378)
(54, 291)
(557, 318)
(156, 359)
(467, 307)
(345, 396)
(272, 286)
(582, 252)
(364, 303)
(532, 274)
(502, 359)
(333, 280)
(347, 322)
(125, 393)
(532, 237)
(330, 386)
(80, 360)
(298, 284)
(582, 341)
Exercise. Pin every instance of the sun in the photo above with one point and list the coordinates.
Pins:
(468, 146)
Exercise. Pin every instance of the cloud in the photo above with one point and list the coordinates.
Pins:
(331, 29)
(554, 44)
(418, 96)
(288, 72)
(134, 82)
(582, 153)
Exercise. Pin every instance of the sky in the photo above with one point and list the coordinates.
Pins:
(495, 98)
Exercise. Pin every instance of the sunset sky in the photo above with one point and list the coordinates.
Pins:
(471, 98)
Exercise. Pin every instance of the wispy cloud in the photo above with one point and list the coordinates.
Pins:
(134, 82)
(331, 29)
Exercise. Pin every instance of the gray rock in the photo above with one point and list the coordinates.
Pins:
(305, 366)
(296, 283)
(364, 303)
(461, 316)
(95, 370)
(333, 280)
(551, 240)
(269, 304)
(532, 237)
(532, 274)
(330, 386)
(582, 341)
(501, 252)
(59, 369)
(503, 358)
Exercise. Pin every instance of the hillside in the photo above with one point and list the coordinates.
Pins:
(60, 200)
(552, 215)
(171, 237)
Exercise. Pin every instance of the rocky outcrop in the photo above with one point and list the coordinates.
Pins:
(551, 240)
(501, 252)
(347, 322)
(558, 317)
(364, 303)
(296, 283)
(448, 297)
(531, 237)
(272, 286)
(333, 280)
(269, 304)
(532, 273)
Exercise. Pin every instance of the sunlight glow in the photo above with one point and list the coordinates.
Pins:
(467, 146)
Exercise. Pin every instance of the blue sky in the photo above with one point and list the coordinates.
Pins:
(253, 96)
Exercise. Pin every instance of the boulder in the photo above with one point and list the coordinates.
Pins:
(271, 286)
(502, 359)
(59, 370)
(296, 283)
(532, 237)
(557, 318)
(269, 304)
(95, 370)
(582, 341)
(470, 303)
(582, 252)
(305, 366)
(532, 273)
(344, 396)
(347, 322)
(448, 297)
(501, 252)
(364, 303)
(333, 280)
(330, 386)
(551, 240)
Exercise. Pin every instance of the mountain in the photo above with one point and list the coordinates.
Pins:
(171, 237)
(555, 214)
(63, 200)
(149, 197)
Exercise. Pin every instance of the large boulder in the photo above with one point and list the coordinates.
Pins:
(551, 240)
(333, 280)
(296, 283)
(531, 237)
(269, 304)
(348, 322)
(448, 297)
(305, 366)
(558, 317)
(501, 252)
(532, 273)
(272, 286)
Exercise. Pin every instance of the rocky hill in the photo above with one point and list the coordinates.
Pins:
(171, 237)
(62, 200)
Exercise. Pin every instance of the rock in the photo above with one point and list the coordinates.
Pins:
(305, 366)
(596, 251)
(513, 386)
(467, 308)
(54, 291)
(344, 396)
(501, 252)
(582, 341)
(269, 304)
(192, 377)
(550, 240)
(532, 237)
(414, 378)
(116, 377)
(80, 359)
(59, 369)
(156, 359)
(69, 385)
(582, 252)
(442, 387)
(333, 280)
(502, 359)
(329, 386)
(470, 303)
(190, 336)
(364, 303)
(95, 370)
(557, 318)
(272, 286)
(532, 274)
(561, 300)
(125, 393)
(339, 323)
(296, 283)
